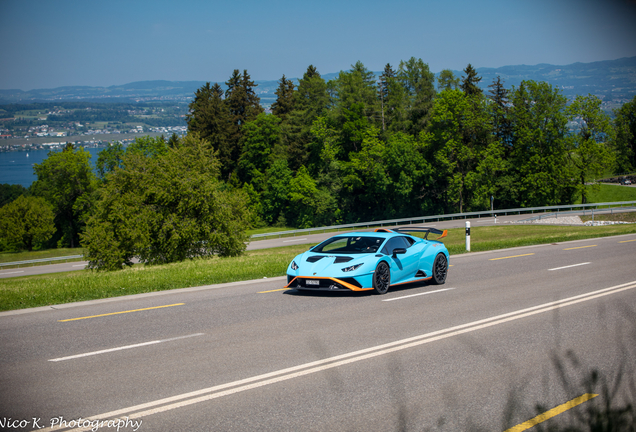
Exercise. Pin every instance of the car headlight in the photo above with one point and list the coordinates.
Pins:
(351, 268)
(294, 266)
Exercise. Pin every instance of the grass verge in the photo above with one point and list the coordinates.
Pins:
(609, 193)
(57, 288)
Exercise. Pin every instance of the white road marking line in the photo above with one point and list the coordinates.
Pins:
(123, 348)
(415, 295)
(80, 265)
(564, 267)
(221, 390)
(21, 271)
(287, 241)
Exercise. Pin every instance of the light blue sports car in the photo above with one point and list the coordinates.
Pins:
(362, 261)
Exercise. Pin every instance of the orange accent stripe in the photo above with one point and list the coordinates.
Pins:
(413, 281)
(353, 287)
(444, 234)
(383, 230)
(345, 284)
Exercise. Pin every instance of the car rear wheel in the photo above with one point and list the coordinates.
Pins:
(382, 278)
(440, 269)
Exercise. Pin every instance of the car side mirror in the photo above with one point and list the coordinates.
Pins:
(398, 251)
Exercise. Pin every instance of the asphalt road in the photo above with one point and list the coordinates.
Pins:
(510, 330)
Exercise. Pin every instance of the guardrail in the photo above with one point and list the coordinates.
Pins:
(556, 215)
(422, 219)
(35, 261)
(436, 218)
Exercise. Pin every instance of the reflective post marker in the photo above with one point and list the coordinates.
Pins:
(467, 236)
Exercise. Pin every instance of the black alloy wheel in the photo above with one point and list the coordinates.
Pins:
(382, 278)
(440, 269)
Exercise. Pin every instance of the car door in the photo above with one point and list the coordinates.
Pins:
(403, 266)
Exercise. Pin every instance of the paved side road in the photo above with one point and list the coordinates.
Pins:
(288, 241)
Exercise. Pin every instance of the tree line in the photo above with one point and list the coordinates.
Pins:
(355, 148)
(358, 148)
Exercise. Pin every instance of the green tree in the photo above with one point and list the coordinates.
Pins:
(625, 144)
(173, 141)
(500, 111)
(458, 140)
(284, 103)
(393, 101)
(310, 102)
(419, 85)
(244, 106)
(354, 106)
(210, 118)
(411, 177)
(355, 87)
(304, 200)
(590, 153)
(260, 137)
(275, 196)
(109, 159)
(165, 209)
(387, 178)
(66, 180)
(26, 223)
(10, 192)
(148, 146)
(540, 158)
(254, 205)
(470, 82)
(447, 80)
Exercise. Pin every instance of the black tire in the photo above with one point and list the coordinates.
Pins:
(382, 278)
(440, 269)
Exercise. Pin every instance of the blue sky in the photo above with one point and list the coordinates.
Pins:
(53, 43)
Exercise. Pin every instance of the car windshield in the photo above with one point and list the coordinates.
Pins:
(349, 245)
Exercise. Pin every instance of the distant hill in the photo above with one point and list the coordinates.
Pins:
(612, 80)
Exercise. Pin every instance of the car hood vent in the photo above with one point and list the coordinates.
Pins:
(342, 259)
(315, 258)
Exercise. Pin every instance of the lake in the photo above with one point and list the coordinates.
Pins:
(17, 167)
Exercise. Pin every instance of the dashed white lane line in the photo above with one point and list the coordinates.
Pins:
(420, 294)
(123, 348)
(287, 241)
(564, 267)
(21, 271)
(218, 391)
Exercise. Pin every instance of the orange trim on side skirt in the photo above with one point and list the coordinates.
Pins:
(413, 281)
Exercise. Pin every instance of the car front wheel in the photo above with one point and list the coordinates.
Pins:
(440, 269)
(382, 278)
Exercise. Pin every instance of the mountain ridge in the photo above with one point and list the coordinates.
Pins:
(608, 79)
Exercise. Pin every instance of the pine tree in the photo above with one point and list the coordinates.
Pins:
(244, 106)
(384, 90)
(418, 83)
(500, 112)
(285, 98)
(470, 81)
(210, 117)
(310, 102)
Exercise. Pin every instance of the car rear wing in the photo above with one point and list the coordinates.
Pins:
(426, 230)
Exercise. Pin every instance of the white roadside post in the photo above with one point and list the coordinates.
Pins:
(467, 236)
